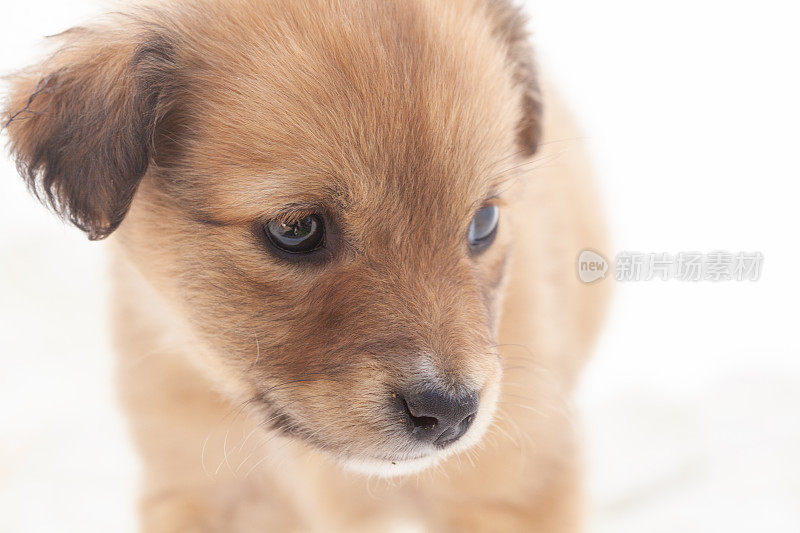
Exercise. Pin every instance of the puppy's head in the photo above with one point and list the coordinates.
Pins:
(316, 188)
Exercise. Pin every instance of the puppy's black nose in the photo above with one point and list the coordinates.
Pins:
(439, 418)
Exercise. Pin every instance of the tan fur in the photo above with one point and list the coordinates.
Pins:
(250, 380)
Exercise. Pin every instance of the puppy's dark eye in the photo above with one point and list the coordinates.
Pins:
(300, 237)
(483, 227)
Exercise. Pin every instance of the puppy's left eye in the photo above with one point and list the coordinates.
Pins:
(483, 227)
(300, 237)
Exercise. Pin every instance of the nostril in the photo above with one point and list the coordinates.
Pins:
(454, 432)
(423, 422)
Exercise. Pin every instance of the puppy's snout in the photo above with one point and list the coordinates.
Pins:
(438, 418)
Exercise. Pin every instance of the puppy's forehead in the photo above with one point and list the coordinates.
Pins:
(408, 101)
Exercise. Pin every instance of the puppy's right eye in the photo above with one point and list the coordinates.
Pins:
(299, 237)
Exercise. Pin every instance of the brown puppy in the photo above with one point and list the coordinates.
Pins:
(316, 204)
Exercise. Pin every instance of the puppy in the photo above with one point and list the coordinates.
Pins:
(341, 252)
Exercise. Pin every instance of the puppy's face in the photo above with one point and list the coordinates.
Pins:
(319, 194)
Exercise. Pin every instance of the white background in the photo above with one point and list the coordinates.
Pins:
(691, 403)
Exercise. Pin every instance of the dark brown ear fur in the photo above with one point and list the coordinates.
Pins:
(81, 125)
(509, 23)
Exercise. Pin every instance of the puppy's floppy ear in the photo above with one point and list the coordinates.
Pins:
(509, 25)
(81, 124)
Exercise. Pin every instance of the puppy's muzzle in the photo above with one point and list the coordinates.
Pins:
(437, 418)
